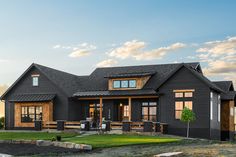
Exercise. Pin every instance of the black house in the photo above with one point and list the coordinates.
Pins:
(134, 93)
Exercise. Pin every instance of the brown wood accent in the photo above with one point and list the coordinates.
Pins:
(47, 113)
(140, 82)
(101, 107)
(129, 108)
(118, 97)
(184, 90)
(227, 120)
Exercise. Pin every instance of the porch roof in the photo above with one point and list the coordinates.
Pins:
(116, 93)
(231, 95)
(32, 97)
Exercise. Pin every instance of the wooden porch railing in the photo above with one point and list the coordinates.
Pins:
(136, 126)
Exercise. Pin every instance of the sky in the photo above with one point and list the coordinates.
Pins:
(78, 36)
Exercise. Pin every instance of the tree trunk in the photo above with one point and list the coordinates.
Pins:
(188, 130)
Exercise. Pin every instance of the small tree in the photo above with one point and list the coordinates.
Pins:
(187, 117)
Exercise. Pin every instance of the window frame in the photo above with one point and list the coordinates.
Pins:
(148, 106)
(128, 84)
(35, 81)
(28, 115)
(183, 106)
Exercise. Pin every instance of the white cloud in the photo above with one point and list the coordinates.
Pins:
(135, 49)
(220, 57)
(83, 49)
(128, 49)
(79, 53)
(217, 48)
(78, 50)
(107, 63)
(57, 46)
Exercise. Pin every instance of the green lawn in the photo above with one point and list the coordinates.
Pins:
(97, 141)
(104, 141)
(32, 135)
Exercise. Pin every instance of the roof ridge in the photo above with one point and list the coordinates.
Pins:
(148, 65)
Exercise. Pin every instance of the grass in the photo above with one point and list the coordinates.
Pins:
(33, 135)
(97, 141)
(105, 141)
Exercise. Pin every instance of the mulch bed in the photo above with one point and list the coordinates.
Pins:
(31, 149)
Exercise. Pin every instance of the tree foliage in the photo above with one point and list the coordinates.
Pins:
(187, 115)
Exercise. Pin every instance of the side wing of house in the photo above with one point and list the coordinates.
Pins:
(33, 97)
(184, 89)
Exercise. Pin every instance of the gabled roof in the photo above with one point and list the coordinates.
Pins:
(224, 85)
(129, 75)
(228, 88)
(67, 83)
(160, 74)
(98, 82)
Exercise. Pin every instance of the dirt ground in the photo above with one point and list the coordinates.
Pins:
(194, 148)
(29, 150)
(191, 148)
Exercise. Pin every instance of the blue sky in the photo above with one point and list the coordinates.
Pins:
(78, 36)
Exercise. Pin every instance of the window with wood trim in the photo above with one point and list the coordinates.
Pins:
(149, 111)
(179, 106)
(183, 94)
(126, 111)
(31, 113)
(124, 84)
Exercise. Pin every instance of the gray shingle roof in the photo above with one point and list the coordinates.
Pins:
(227, 87)
(231, 95)
(32, 97)
(98, 82)
(67, 82)
(224, 85)
(124, 75)
(116, 93)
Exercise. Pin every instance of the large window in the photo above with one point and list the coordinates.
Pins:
(124, 84)
(31, 113)
(179, 106)
(149, 111)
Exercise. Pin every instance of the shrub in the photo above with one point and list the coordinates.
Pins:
(58, 138)
(2, 122)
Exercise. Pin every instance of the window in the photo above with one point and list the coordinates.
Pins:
(219, 102)
(184, 94)
(188, 94)
(31, 113)
(126, 111)
(35, 80)
(132, 83)
(211, 110)
(179, 106)
(149, 111)
(179, 95)
(116, 84)
(124, 84)
(211, 105)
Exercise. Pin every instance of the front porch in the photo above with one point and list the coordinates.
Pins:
(118, 109)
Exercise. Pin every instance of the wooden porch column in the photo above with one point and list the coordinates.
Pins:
(130, 109)
(101, 107)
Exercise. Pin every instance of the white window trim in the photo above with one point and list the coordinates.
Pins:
(35, 84)
(211, 110)
(211, 105)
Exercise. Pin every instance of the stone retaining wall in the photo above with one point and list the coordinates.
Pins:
(69, 145)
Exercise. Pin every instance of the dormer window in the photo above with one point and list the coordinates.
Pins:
(35, 80)
(124, 84)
